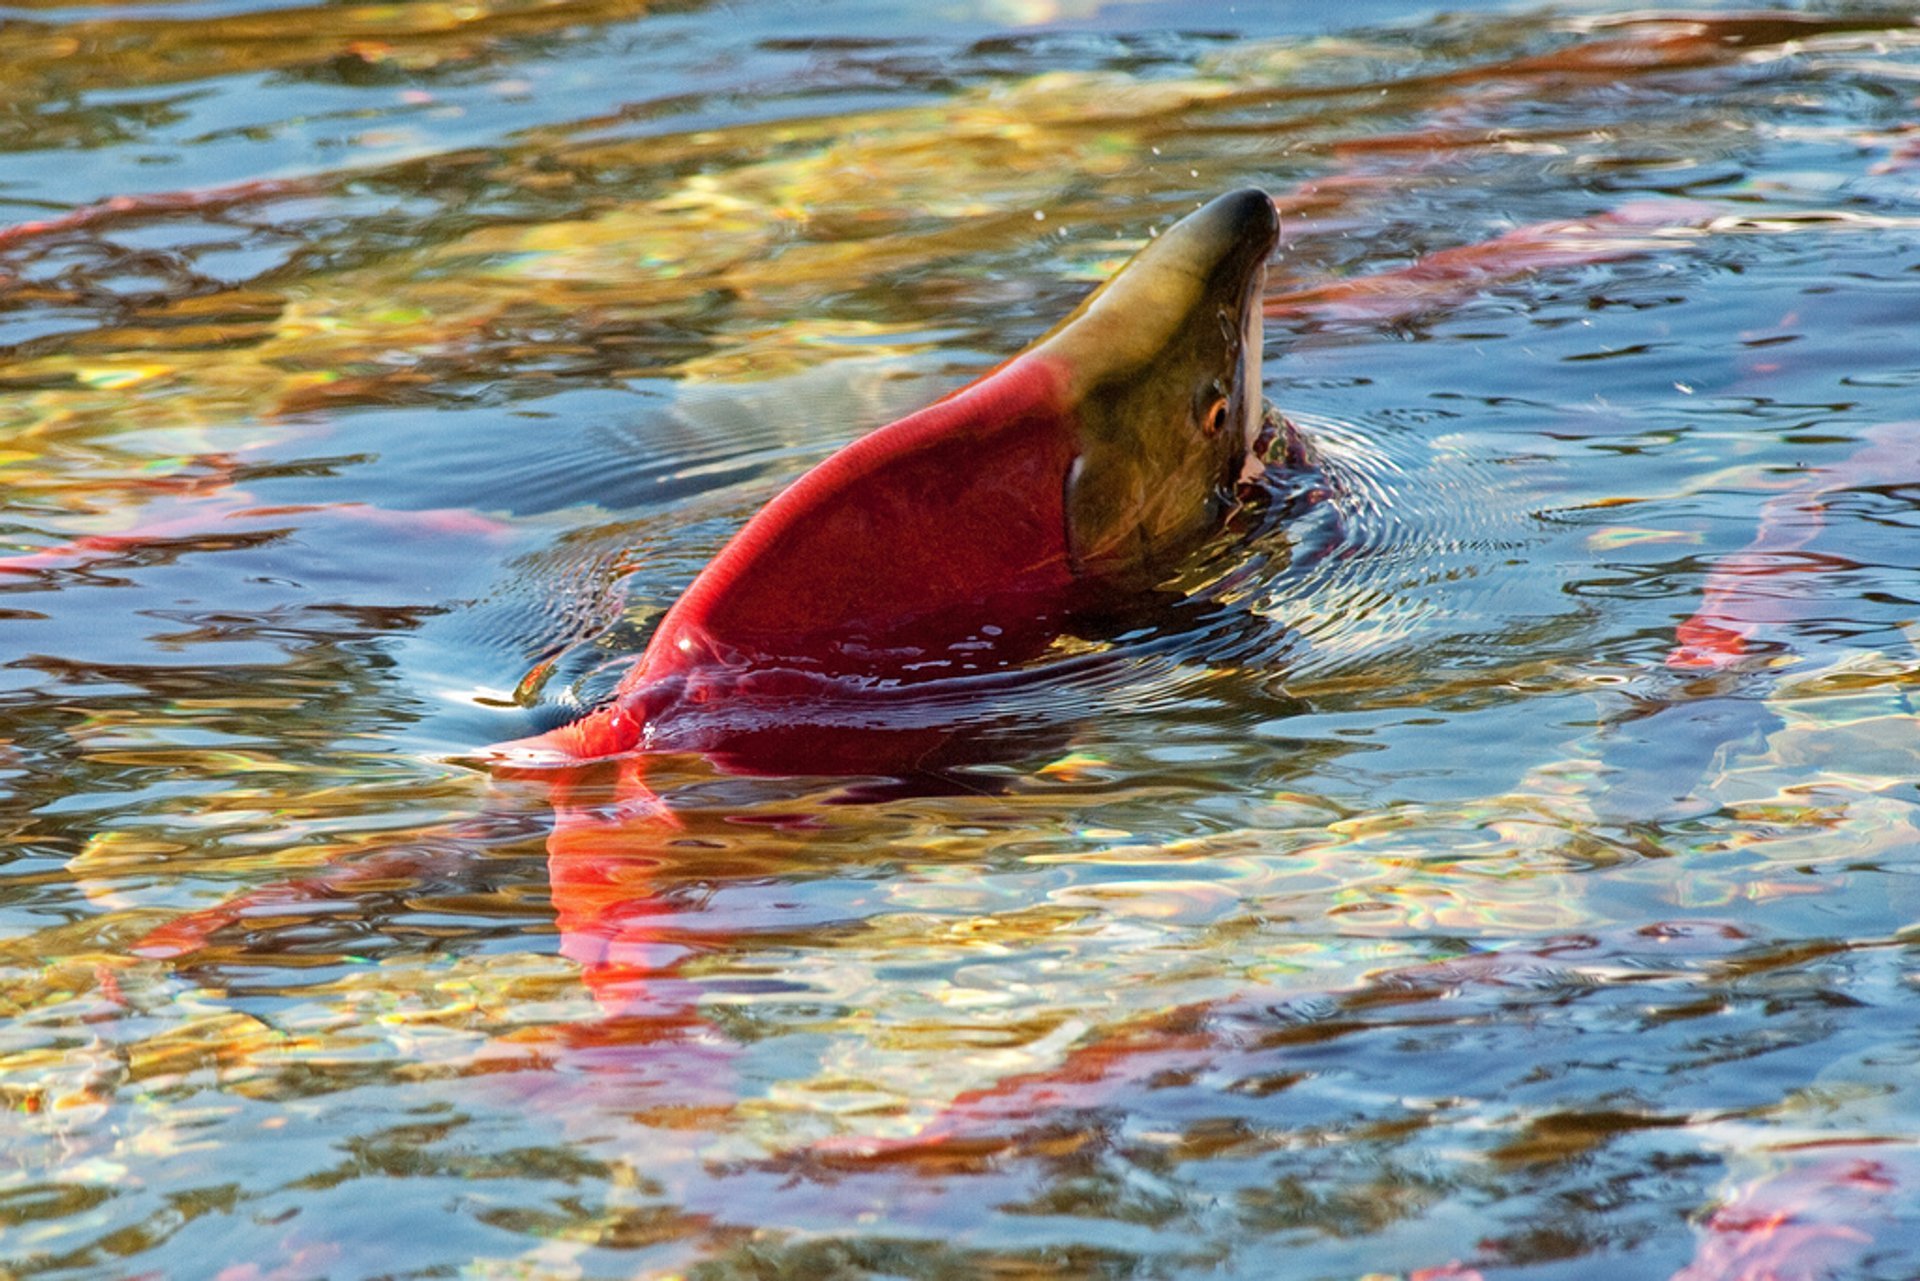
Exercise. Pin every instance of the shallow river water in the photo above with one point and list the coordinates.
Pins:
(1502, 858)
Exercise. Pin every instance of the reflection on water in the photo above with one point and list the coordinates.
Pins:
(1388, 903)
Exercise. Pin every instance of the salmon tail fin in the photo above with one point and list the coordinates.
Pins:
(613, 730)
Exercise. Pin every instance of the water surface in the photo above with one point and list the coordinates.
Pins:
(372, 377)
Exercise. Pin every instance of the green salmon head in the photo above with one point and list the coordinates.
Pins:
(1162, 370)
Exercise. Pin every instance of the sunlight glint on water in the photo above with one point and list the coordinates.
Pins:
(1382, 903)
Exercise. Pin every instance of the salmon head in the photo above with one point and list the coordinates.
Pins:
(1163, 370)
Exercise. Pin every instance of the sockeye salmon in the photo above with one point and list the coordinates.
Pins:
(961, 538)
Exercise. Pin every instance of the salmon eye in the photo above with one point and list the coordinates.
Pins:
(1215, 419)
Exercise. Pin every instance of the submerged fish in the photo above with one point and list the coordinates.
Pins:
(1752, 597)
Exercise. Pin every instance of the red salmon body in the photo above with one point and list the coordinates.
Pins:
(958, 540)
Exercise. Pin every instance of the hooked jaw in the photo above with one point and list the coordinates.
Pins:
(1210, 265)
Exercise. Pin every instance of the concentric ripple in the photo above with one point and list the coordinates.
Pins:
(1404, 548)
